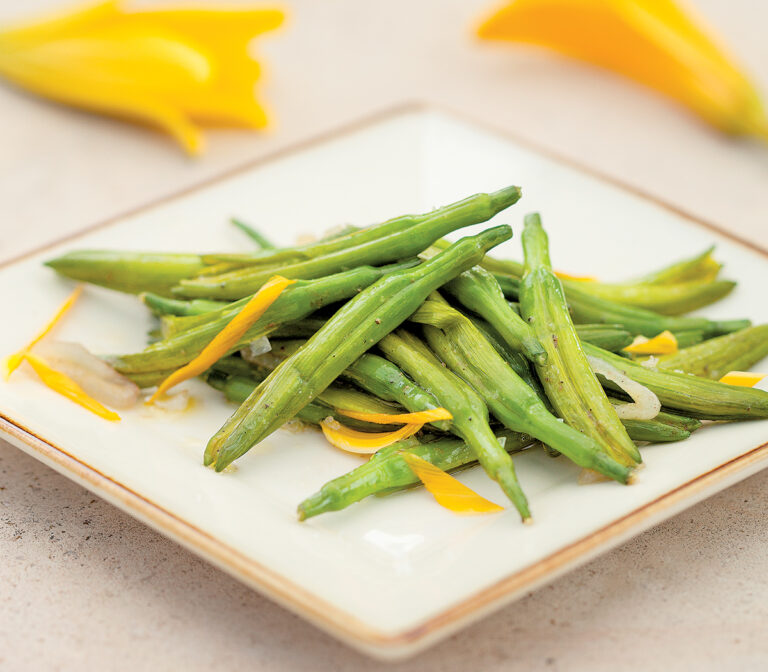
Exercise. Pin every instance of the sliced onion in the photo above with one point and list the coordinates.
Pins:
(94, 375)
(175, 402)
(647, 404)
(260, 352)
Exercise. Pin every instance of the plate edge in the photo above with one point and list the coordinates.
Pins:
(289, 595)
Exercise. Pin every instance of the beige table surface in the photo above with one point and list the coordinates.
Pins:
(84, 586)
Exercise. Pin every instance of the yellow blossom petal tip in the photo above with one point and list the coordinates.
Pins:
(654, 42)
(742, 378)
(228, 337)
(12, 362)
(363, 443)
(448, 491)
(664, 343)
(166, 68)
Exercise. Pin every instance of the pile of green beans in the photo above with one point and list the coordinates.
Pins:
(392, 318)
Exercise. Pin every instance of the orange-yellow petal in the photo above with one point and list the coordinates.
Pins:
(91, 92)
(447, 491)
(13, 362)
(650, 41)
(742, 378)
(228, 337)
(420, 418)
(363, 443)
(664, 343)
(577, 278)
(67, 387)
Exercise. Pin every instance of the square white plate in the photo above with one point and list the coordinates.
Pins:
(389, 576)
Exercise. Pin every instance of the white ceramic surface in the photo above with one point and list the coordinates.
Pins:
(391, 575)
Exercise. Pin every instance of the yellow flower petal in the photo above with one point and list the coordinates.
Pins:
(228, 337)
(163, 67)
(67, 387)
(650, 41)
(422, 417)
(577, 278)
(447, 491)
(742, 378)
(120, 100)
(13, 362)
(363, 443)
(664, 343)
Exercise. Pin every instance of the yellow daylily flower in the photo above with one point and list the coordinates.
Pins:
(654, 42)
(165, 67)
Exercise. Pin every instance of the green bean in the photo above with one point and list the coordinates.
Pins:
(693, 396)
(478, 291)
(353, 236)
(513, 358)
(611, 337)
(298, 300)
(470, 414)
(681, 422)
(702, 267)
(357, 326)
(257, 237)
(714, 358)
(654, 432)
(161, 305)
(686, 338)
(463, 348)
(405, 242)
(587, 308)
(236, 388)
(387, 472)
(664, 299)
(567, 377)
(664, 428)
(131, 272)
(380, 377)
(680, 288)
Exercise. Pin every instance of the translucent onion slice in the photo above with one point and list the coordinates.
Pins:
(647, 404)
(363, 443)
(447, 491)
(422, 417)
(256, 348)
(742, 378)
(97, 378)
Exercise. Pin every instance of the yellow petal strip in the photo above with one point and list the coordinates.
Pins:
(576, 278)
(228, 337)
(12, 362)
(67, 387)
(742, 378)
(420, 418)
(447, 491)
(664, 343)
(363, 443)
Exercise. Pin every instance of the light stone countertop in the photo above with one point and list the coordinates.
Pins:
(84, 586)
